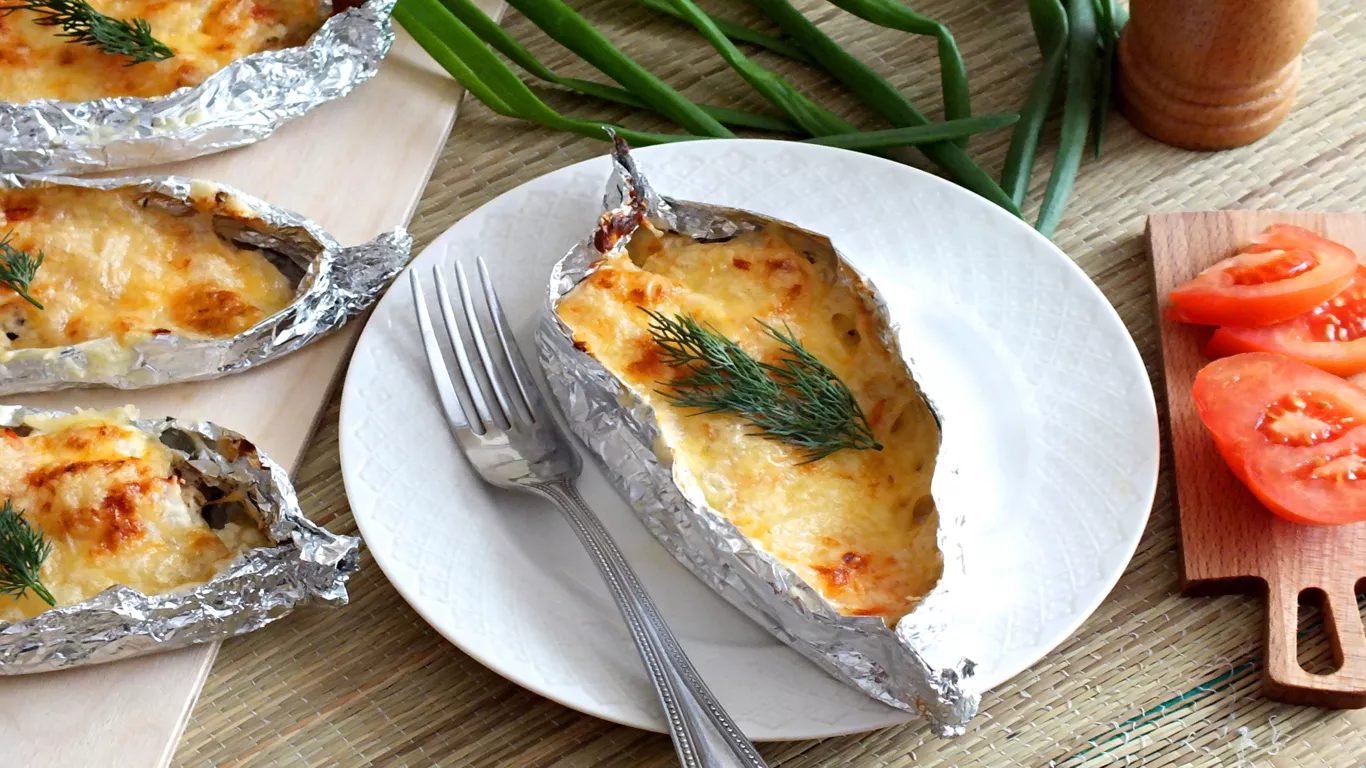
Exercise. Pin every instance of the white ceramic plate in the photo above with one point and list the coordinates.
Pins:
(1066, 427)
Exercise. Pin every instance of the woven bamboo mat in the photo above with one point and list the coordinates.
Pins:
(1151, 679)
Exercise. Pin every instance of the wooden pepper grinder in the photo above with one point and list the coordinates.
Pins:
(1212, 74)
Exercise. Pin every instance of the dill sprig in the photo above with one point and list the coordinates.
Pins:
(22, 552)
(797, 400)
(82, 24)
(18, 268)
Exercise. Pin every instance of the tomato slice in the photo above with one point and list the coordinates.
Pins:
(1295, 435)
(1331, 336)
(1285, 272)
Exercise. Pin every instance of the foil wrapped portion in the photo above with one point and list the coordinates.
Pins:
(240, 104)
(904, 666)
(333, 284)
(304, 563)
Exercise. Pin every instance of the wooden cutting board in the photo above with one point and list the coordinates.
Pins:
(357, 167)
(1229, 542)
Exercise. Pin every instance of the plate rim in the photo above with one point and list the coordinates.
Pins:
(960, 195)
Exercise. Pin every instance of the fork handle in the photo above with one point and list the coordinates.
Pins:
(703, 733)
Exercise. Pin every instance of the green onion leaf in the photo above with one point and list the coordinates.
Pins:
(953, 75)
(1076, 112)
(1107, 36)
(812, 117)
(1050, 30)
(574, 32)
(491, 81)
(490, 32)
(737, 32)
(882, 97)
(924, 134)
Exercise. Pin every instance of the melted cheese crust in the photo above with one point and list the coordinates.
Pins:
(206, 36)
(114, 268)
(105, 495)
(859, 526)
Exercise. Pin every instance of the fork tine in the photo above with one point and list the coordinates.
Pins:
(477, 331)
(521, 374)
(441, 377)
(473, 388)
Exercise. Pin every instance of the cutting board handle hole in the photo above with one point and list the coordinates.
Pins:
(1315, 651)
(1360, 594)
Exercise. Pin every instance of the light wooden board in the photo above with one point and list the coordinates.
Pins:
(1229, 542)
(358, 167)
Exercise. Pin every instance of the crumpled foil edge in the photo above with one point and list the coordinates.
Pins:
(240, 104)
(337, 284)
(900, 667)
(306, 563)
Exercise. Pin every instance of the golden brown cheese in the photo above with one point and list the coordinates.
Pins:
(114, 268)
(206, 36)
(106, 497)
(859, 525)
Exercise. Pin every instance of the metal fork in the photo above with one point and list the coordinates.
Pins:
(497, 416)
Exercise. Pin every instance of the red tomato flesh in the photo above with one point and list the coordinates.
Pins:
(1295, 435)
(1285, 272)
(1331, 336)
